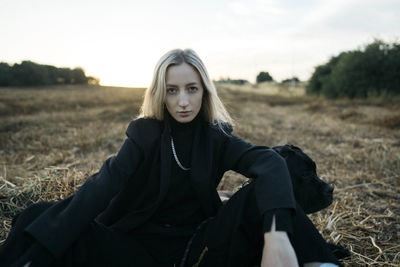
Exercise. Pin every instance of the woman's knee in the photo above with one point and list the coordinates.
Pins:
(28, 215)
(18, 242)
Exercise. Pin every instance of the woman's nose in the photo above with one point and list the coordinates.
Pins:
(183, 100)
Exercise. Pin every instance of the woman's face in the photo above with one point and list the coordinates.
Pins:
(184, 92)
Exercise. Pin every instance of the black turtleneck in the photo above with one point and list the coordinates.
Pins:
(181, 206)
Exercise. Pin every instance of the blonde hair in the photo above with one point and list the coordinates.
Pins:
(153, 104)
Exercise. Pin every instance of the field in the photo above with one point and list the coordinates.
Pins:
(52, 138)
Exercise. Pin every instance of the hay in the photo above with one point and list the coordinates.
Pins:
(48, 150)
(53, 184)
(391, 121)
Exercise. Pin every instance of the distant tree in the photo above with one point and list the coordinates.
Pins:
(5, 74)
(52, 73)
(372, 71)
(320, 76)
(93, 80)
(64, 75)
(232, 81)
(264, 76)
(391, 65)
(78, 76)
(30, 73)
(289, 80)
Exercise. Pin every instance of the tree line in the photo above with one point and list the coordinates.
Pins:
(232, 81)
(371, 71)
(29, 73)
(262, 76)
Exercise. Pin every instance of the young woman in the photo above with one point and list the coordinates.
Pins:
(155, 203)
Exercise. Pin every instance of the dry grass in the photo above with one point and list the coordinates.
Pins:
(51, 139)
(267, 88)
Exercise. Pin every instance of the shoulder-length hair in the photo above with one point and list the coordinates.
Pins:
(212, 108)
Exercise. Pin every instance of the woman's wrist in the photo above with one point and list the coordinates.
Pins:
(283, 220)
(277, 250)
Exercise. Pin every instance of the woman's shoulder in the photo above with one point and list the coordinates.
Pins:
(222, 127)
(220, 132)
(144, 128)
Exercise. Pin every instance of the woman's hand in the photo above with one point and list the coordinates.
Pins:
(277, 249)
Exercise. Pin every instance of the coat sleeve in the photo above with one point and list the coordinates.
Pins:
(59, 226)
(273, 186)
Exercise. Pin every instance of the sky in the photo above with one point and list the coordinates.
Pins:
(120, 41)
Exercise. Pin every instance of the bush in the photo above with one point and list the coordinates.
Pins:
(372, 71)
(29, 73)
(289, 80)
(264, 76)
(230, 81)
(5, 74)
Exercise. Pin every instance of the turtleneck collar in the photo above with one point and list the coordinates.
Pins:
(182, 127)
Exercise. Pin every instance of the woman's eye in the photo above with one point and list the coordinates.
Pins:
(171, 90)
(192, 89)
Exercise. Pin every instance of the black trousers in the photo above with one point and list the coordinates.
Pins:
(234, 237)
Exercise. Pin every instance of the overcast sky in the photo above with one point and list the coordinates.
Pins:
(120, 41)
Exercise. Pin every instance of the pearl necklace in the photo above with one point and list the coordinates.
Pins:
(176, 157)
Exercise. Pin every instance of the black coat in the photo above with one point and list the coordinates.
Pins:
(129, 187)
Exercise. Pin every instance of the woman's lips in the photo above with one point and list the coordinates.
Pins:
(184, 113)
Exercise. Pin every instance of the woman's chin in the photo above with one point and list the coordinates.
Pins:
(184, 118)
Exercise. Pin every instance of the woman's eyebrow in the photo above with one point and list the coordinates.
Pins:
(173, 85)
